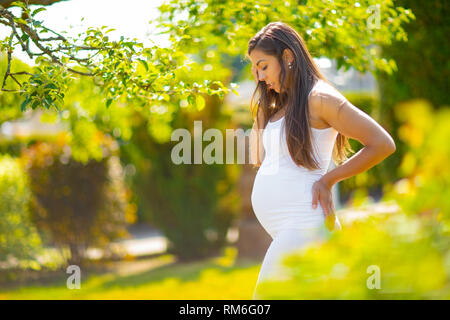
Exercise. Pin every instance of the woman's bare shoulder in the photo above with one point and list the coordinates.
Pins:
(324, 98)
(324, 89)
(325, 93)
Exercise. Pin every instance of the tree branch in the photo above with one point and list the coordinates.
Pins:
(7, 3)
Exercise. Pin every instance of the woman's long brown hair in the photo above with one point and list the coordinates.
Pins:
(273, 39)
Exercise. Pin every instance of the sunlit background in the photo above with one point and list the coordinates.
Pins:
(94, 186)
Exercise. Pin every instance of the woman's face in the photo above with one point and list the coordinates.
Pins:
(267, 68)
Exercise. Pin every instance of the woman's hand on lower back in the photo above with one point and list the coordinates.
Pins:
(322, 193)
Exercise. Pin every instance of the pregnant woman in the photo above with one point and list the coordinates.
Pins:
(302, 122)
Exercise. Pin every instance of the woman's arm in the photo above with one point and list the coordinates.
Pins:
(333, 108)
(352, 122)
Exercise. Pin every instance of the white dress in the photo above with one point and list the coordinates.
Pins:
(282, 196)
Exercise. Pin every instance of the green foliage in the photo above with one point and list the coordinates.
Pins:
(77, 205)
(410, 267)
(424, 187)
(336, 29)
(210, 31)
(19, 239)
(89, 121)
(121, 68)
(10, 101)
(47, 87)
(423, 68)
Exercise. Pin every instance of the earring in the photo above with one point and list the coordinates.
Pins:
(290, 65)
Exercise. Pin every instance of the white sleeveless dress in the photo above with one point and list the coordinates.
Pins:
(282, 196)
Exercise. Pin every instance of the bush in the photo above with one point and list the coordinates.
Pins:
(19, 239)
(397, 246)
(78, 205)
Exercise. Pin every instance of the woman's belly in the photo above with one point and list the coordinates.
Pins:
(284, 200)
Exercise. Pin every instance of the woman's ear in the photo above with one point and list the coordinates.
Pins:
(288, 56)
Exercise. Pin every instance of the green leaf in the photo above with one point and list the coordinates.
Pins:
(47, 102)
(144, 63)
(130, 45)
(24, 104)
(20, 20)
(51, 86)
(190, 99)
(37, 23)
(19, 4)
(35, 12)
(108, 102)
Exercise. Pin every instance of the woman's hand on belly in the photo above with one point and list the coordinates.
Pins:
(322, 193)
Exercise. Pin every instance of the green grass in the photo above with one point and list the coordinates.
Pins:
(223, 278)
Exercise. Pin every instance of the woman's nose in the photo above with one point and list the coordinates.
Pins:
(261, 77)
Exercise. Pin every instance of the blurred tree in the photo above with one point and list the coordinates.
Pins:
(423, 69)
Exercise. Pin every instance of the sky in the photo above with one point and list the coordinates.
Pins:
(130, 20)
